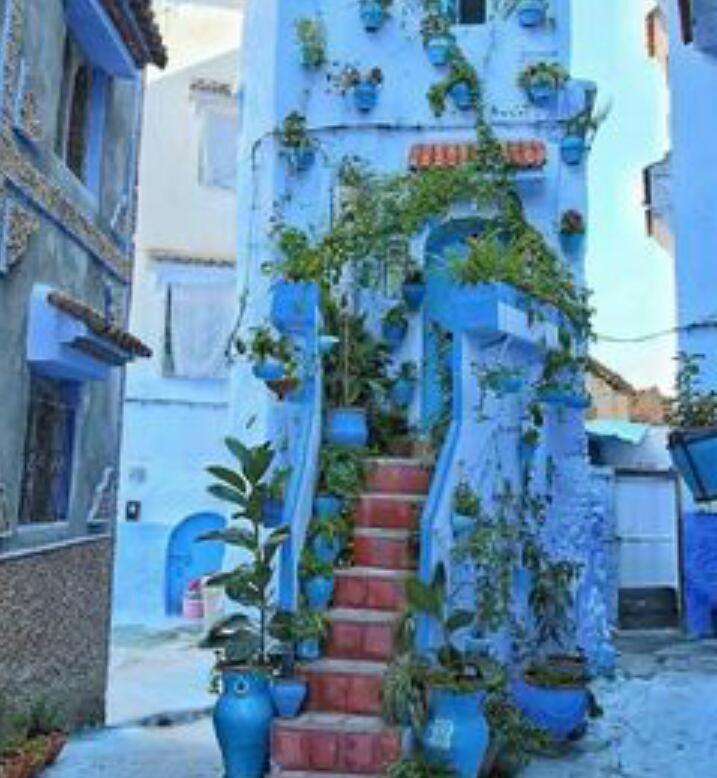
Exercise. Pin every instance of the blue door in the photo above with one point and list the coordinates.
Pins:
(446, 244)
(188, 559)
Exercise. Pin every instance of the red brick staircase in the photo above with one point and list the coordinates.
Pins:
(341, 733)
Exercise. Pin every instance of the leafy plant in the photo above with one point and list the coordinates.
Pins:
(435, 25)
(396, 316)
(348, 77)
(552, 603)
(312, 567)
(341, 471)
(460, 72)
(276, 486)
(552, 73)
(264, 345)
(330, 528)
(311, 35)
(243, 637)
(587, 122)
(407, 372)
(572, 223)
(300, 260)
(514, 739)
(403, 691)
(692, 407)
(465, 500)
(414, 274)
(293, 133)
(303, 624)
(419, 766)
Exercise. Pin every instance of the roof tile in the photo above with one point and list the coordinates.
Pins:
(523, 154)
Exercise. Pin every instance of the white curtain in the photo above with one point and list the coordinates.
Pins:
(200, 324)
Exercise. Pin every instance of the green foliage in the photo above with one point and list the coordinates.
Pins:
(276, 486)
(465, 500)
(460, 72)
(341, 471)
(407, 372)
(311, 35)
(414, 273)
(513, 737)
(301, 261)
(403, 692)
(419, 766)
(243, 636)
(572, 223)
(389, 427)
(348, 77)
(692, 407)
(435, 24)
(552, 603)
(263, 345)
(552, 73)
(289, 627)
(587, 122)
(330, 528)
(293, 132)
(396, 316)
(311, 567)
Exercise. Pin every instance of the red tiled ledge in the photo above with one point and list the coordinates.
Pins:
(519, 154)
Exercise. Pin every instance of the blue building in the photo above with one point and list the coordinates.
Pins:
(71, 97)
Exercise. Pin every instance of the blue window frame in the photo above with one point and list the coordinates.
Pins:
(467, 11)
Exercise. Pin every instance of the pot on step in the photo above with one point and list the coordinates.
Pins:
(347, 427)
(308, 649)
(560, 709)
(327, 505)
(319, 591)
(288, 695)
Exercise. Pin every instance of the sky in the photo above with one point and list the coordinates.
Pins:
(630, 274)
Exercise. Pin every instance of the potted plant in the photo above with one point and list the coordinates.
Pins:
(542, 80)
(466, 508)
(373, 13)
(572, 231)
(328, 537)
(296, 143)
(531, 13)
(437, 37)
(502, 380)
(287, 690)
(30, 742)
(395, 326)
(413, 288)
(243, 714)
(363, 86)
(693, 418)
(273, 357)
(309, 628)
(317, 579)
(461, 85)
(404, 385)
(311, 36)
(580, 131)
(274, 496)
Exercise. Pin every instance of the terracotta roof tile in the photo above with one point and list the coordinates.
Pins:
(522, 154)
(138, 27)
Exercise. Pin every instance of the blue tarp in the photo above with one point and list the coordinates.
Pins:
(619, 429)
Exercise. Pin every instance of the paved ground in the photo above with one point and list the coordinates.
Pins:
(660, 716)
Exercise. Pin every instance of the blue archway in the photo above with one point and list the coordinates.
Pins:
(188, 559)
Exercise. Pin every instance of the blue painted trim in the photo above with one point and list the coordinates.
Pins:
(96, 131)
(4, 49)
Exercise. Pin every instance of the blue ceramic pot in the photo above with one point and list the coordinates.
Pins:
(394, 334)
(438, 50)
(572, 149)
(288, 695)
(272, 512)
(347, 427)
(301, 158)
(457, 733)
(294, 306)
(402, 392)
(325, 549)
(242, 721)
(365, 96)
(308, 649)
(372, 15)
(327, 505)
(571, 242)
(531, 13)
(268, 370)
(462, 96)
(560, 711)
(413, 295)
(319, 592)
(542, 92)
(462, 523)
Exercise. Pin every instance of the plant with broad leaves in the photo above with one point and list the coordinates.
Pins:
(244, 636)
(418, 766)
(693, 407)
(311, 36)
(293, 132)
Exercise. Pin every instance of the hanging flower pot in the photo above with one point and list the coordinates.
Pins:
(365, 96)
(347, 427)
(541, 82)
(319, 592)
(560, 709)
(462, 95)
(531, 13)
(572, 149)
(301, 158)
(326, 549)
(308, 649)
(462, 523)
(542, 92)
(242, 720)
(572, 232)
(402, 392)
(373, 14)
(438, 50)
(327, 505)
(288, 695)
(268, 369)
(413, 295)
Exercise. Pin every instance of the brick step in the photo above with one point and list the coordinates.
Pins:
(389, 511)
(397, 476)
(279, 773)
(334, 743)
(344, 686)
(370, 587)
(390, 549)
(360, 634)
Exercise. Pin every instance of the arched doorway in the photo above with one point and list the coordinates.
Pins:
(188, 559)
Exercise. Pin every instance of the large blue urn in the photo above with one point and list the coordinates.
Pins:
(242, 721)
(561, 711)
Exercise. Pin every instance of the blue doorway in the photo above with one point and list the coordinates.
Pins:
(188, 559)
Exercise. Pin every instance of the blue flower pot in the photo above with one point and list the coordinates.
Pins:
(272, 512)
(571, 242)
(438, 50)
(327, 505)
(373, 15)
(301, 158)
(394, 334)
(268, 370)
(288, 695)
(462, 523)
(326, 550)
(413, 295)
(347, 427)
(295, 306)
(531, 13)
(462, 96)
(456, 733)
(319, 592)
(542, 92)
(572, 149)
(308, 649)
(242, 721)
(365, 96)
(402, 392)
(561, 711)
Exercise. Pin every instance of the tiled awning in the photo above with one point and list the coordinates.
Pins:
(520, 154)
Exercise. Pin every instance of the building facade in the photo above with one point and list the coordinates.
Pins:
(72, 87)
(176, 405)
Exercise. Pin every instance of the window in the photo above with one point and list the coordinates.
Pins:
(49, 445)
(218, 153)
(472, 11)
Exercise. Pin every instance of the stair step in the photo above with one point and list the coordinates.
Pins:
(392, 549)
(397, 476)
(344, 686)
(356, 633)
(370, 587)
(338, 743)
(279, 773)
(389, 511)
